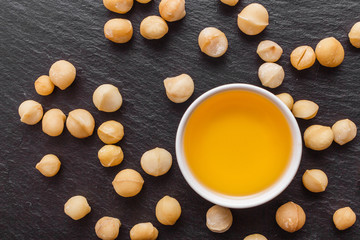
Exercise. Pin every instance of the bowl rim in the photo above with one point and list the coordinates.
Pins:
(241, 202)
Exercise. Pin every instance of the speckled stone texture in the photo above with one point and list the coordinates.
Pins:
(34, 34)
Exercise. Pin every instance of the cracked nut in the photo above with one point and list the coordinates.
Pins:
(330, 52)
(271, 75)
(302, 57)
(62, 74)
(107, 98)
(80, 123)
(219, 219)
(344, 131)
(290, 217)
(269, 51)
(53, 122)
(156, 162)
(253, 19)
(305, 109)
(315, 180)
(144, 231)
(110, 132)
(44, 86)
(107, 228)
(354, 35)
(317, 137)
(30, 112)
(344, 218)
(77, 207)
(172, 10)
(110, 155)
(168, 210)
(49, 165)
(128, 183)
(213, 42)
(287, 99)
(179, 88)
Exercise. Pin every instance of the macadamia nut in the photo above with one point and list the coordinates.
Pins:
(107, 228)
(62, 74)
(269, 51)
(110, 155)
(44, 86)
(77, 207)
(302, 57)
(287, 99)
(290, 217)
(219, 219)
(344, 131)
(255, 237)
(213, 42)
(153, 27)
(330, 52)
(168, 210)
(315, 180)
(144, 231)
(118, 30)
(49, 165)
(344, 218)
(172, 10)
(317, 137)
(80, 123)
(179, 88)
(30, 112)
(107, 98)
(111, 132)
(253, 19)
(53, 122)
(143, 1)
(230, 2)
(156, 162)
(118, 6)
(128, 183)
(271, 75)
(305, 109)
(354, 35)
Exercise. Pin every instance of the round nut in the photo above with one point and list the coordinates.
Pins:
(344, 131)
(315, 180)
(179, 88)
(253, 19)
(80, 123)
(107, 98)
(354, 35)
(271, 75)
(156, 162)
(269, 51)
(172, 10)
(168, 210)
(219, 219)
(111, 132)
(53, 122)
(128, 183)
(62, 74)
(344, 218)
(49, 165)
(107, 228)
(305, 109)
(302, 57)
(290, 217)
(230, 2)
(213, 42)
(144, 231)
(153, 27)
(118, 30)
(30, 112)
(77, 207)
(255, 237)
(317, 137)
(110, 155)
(287, 99)
(44, 86)
(118, 6)
(143, 1)
(330, 52)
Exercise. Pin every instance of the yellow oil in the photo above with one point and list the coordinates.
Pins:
(237, 143)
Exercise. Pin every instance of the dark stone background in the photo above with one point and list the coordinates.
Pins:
(34, 34)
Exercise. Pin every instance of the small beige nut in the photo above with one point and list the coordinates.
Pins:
(302, 57)
(30, 112)
(305, 109)
(156, 162)
(118, 6)
(354, 35)
(213, 42)
(168, 210)
(172, 10)
(253, 19)
(287, 99)
(179, 88)
(144, 231)
(315, 180)
(219, 219)
(107, 98)
(77, 207)
(153, 27)
(344, 131)
(53, 122)
(290, 217)
(269, 51)
(271, 75)
(49, 165)
(255, 236)
(110, 155)
(111, 132)
(143, 1)
(230, 2)
(128, 183)
(62, 74)
(330, 52)
(44, 86)
(107, 228)
(317, 137)
(344, 218)
(80, 123)
(118, 30)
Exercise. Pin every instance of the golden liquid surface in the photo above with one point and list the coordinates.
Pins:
(237, 143)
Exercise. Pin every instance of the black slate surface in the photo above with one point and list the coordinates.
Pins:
(34, 34)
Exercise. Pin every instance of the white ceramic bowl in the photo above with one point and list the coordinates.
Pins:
(251, 200)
